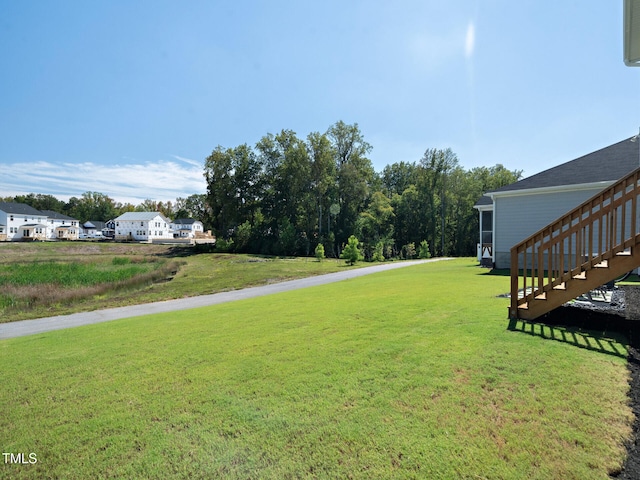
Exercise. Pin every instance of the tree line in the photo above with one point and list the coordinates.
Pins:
(97, 206)
(287, 195)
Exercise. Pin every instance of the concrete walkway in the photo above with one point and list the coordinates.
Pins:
(40, 325)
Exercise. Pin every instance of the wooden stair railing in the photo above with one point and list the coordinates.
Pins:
(589, 246)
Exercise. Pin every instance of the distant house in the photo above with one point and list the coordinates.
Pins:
(109, 230)
(142, 226)
(187, 228)
(19, 221)
(512, 213)
(95, 228)
(61, 227)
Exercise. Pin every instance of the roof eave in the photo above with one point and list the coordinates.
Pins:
(553, 189)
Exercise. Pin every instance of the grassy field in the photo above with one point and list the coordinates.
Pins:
(44, 279)
(410, 373)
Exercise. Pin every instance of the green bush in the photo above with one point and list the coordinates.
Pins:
(409, 250)
(423, 250)
(351, 252)
(224, 246)
(378, 255)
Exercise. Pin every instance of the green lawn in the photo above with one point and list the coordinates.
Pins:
(410, 373)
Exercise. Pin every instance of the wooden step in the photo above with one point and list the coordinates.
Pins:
(580, 276)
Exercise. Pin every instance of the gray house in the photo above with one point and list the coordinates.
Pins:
(514, 212)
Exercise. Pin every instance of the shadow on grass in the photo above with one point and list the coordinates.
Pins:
(494, 272)
(607, 342)
(591, 329)
(602, 332)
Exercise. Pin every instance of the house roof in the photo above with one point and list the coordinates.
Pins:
(56, 215)
(98, 225)
(184, 221)
(20, 208)
(141, 216)
(607, 164)
(483, 200)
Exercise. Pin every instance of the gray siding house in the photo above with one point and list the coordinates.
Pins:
(514, 212)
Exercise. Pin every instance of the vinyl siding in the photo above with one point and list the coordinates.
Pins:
(519, 216)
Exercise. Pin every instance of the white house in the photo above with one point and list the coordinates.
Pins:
(142, 226)
(512, 213)
(19, 221)
(187, 228)
(61, 227)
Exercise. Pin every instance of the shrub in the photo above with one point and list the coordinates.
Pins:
(351, 253)
(319, 251)
(423, 251)
(409, 250)
(224, 246)
(378, 255)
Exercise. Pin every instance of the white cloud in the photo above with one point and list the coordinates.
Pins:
(189, 161)
(162, 180)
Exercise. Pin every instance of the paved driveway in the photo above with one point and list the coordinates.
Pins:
(40, 325)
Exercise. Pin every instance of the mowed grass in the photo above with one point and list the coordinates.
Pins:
(410, 373)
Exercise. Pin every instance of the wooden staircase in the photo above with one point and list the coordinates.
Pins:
(589, 246)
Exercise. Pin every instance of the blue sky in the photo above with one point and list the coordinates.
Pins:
(129, 97)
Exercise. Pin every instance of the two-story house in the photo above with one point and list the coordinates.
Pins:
(19, 221)
(187, 228)
(61, 227)
(142, 226)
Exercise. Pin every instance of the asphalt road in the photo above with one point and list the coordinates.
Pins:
(40, 325)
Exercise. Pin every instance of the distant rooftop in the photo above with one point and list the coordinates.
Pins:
(184, 221)
(56, 215)
(20, 209)
(141, 216)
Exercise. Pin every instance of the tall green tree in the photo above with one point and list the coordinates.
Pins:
(218, 172)
(323, 176)
(288, 202)
(397, 177)
(194, 206)
(435, 166)
(92, 206)
(41, 202)
(376, 223)
(410, 215)
(355, 174)
(234, 183)
(351, 252)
